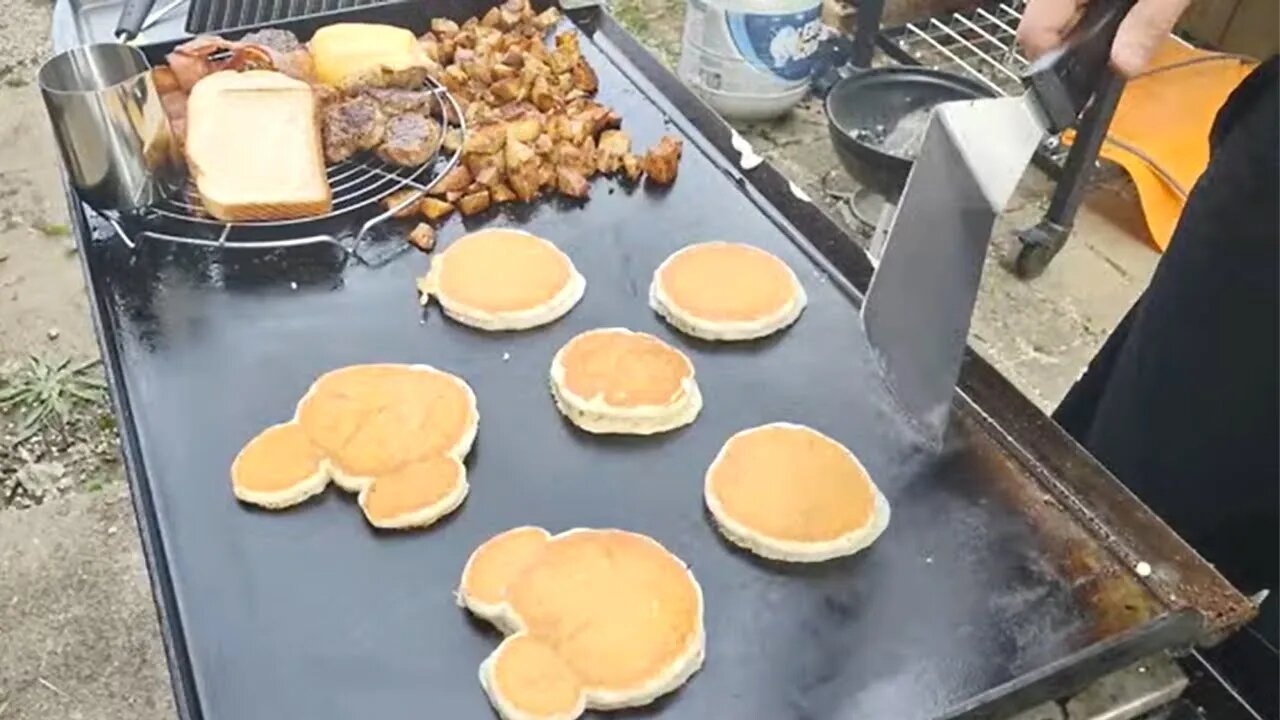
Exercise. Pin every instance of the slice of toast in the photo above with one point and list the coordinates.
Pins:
(253, 147)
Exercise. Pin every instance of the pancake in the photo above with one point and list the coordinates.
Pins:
(278, 468)
(613, 380)
(416, 495)
(788, 492)
(370, 420)
(395, 434)
(596, 619)
(726, 291)
(501, 279)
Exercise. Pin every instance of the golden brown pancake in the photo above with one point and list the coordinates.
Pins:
(619, 611)
(726, 291)
(791, 493)
(279, 467)
(533, 672)
(416, 494)
(372, 419)
(501, 279)
(616, 380)
(396, 434)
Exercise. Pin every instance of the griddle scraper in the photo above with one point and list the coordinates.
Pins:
(918, 308)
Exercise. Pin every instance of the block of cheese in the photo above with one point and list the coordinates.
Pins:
(349, 54)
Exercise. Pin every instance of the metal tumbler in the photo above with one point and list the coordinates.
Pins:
(110, 126)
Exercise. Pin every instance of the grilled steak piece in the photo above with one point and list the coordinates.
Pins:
(410, 140)
(350, 126)
(394, 101)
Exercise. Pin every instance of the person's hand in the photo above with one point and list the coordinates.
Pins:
(1046, 22)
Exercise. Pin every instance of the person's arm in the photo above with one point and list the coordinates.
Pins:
(1046, 22)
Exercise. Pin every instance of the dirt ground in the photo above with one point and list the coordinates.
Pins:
(78, 635)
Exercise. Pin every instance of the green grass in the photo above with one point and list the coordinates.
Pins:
(49, 229)
(45, 394)
(631, 15)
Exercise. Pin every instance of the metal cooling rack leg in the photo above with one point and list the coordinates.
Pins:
(1041, 242)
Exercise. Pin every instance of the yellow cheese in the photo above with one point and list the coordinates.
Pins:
(351, 53)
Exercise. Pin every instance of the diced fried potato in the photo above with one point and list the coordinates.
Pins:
(456, 179)
(452, 140)
(501, 193)
(477, 163)
(584, 78)
(443, 27)
(526, 129)
(502, 71)
(525, 180)
(544, 144)
(570, 182)
(547, 18)
(543, 95)
(484, 139)
(547, 175)
(434, 209)
(507, 91)
(447, 49)
(513, 58)
(517, 153)
(422, 237)
(519, 110)
(613, 146)
(490, 175)
(662, 160)
(466, 38)
(453, 196)
(431, 46)
(492, 19)
(398, 197)
(631, 167)
(475, 203)
(454, 78)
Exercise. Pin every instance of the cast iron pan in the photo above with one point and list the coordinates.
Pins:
(877, 118)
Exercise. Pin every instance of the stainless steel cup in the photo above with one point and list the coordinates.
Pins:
(110, 126)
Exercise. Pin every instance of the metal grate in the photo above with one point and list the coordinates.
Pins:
(211, 16)
(979, 43)
(355, 183)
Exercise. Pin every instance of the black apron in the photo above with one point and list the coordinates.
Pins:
(1181, 403)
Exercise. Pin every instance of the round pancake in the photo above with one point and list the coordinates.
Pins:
(726, 291)
(500, 279)
(278, 468)
(610, 611)
(370, 420)
(788, 492)
(613, 380)
(416, 495)
(532, 672)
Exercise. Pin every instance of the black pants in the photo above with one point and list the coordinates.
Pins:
(1181, 402)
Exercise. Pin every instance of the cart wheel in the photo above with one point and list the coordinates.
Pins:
(1040, 243)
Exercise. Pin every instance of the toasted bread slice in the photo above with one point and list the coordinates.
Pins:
(253, 147)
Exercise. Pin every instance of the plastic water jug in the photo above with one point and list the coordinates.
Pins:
(750, 59)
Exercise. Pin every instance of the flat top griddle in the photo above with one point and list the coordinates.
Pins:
(990, 589)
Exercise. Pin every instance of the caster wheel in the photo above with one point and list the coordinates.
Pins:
(1040, 244)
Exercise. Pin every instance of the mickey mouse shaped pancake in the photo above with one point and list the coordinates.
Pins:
(595, 619)
(394, 434)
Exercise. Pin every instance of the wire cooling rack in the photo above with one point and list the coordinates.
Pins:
(979, 42)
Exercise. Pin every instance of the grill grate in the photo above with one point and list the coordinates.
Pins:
(979, 43)
(211, 16)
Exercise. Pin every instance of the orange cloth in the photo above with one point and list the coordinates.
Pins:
(1167, 116)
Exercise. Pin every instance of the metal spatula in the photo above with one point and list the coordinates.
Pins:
(920, 303)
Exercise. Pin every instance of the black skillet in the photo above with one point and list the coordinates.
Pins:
(873, 115)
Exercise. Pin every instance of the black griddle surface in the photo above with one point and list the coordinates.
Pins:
(311, 613)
